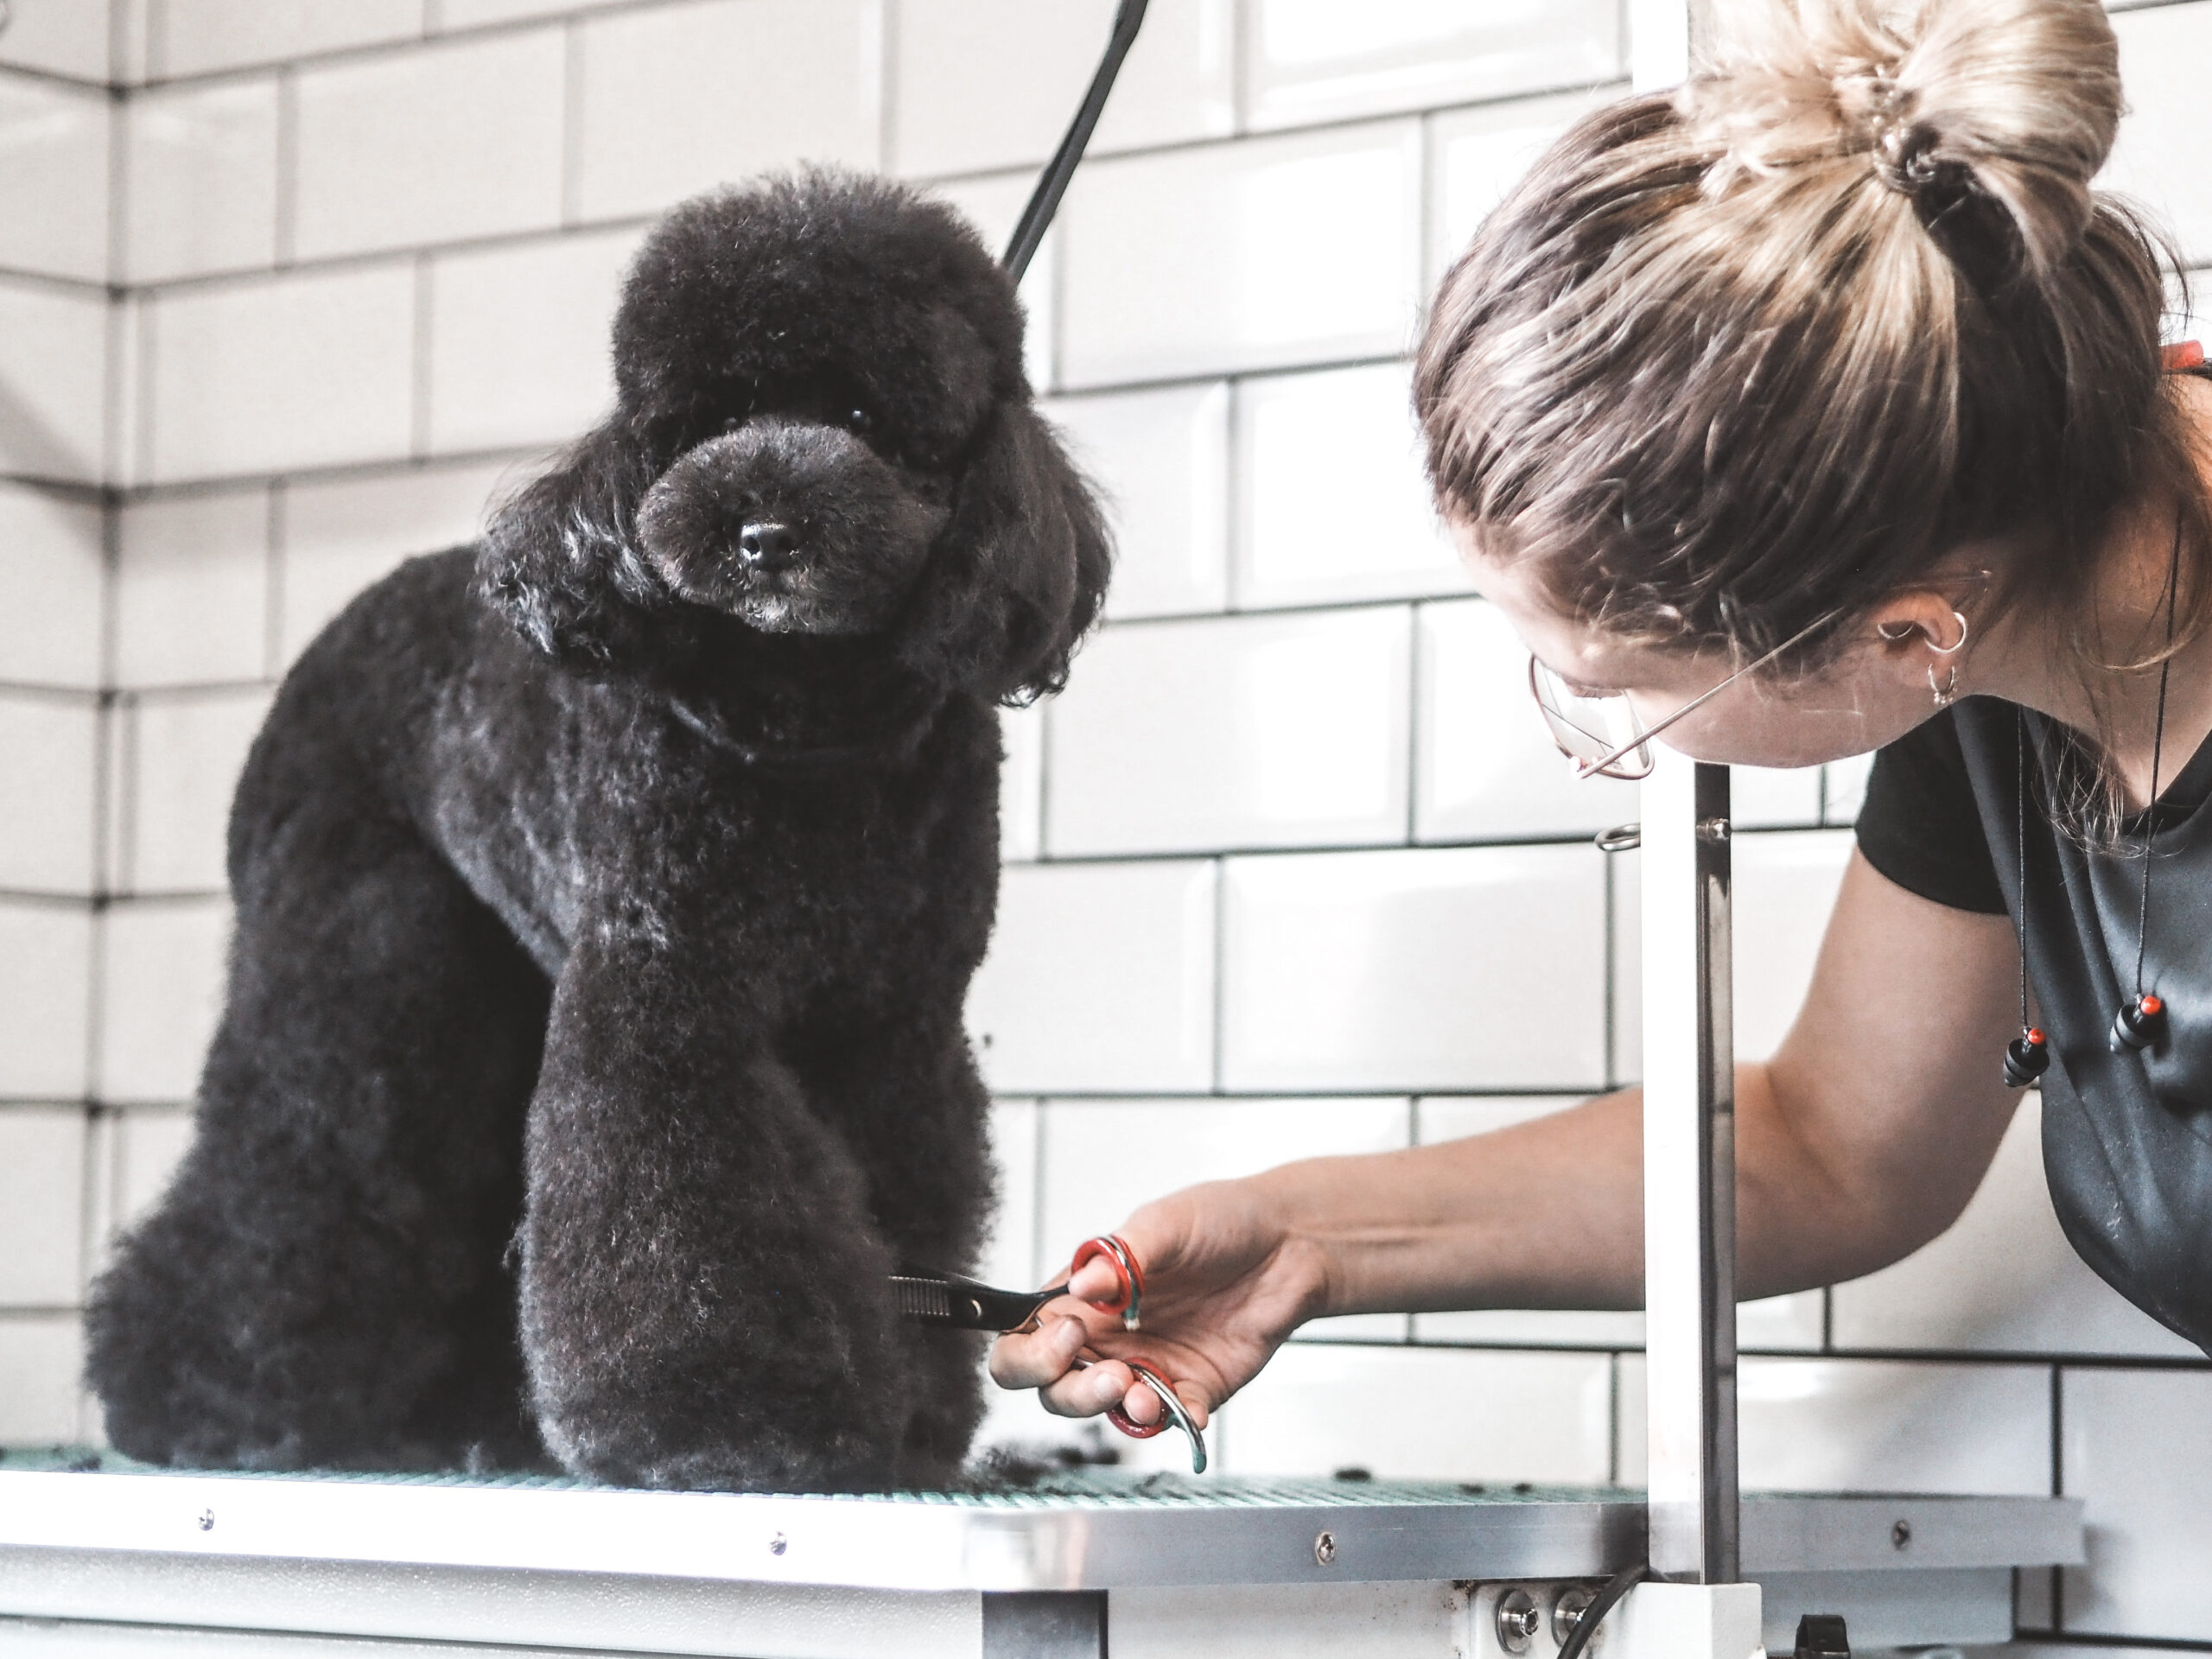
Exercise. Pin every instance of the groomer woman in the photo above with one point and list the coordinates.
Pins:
(1816, 409)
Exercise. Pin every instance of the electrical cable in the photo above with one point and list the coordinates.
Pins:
(1045, 201)
(1585, 1628)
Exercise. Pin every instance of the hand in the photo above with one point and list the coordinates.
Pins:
(1225, 1283)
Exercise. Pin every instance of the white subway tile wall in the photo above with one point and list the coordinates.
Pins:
(1292, 869)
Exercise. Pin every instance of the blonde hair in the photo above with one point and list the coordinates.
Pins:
(1765, 348)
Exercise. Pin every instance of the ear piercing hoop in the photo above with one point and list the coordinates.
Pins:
(1946, 693)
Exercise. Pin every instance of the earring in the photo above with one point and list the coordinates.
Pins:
(1947, 693)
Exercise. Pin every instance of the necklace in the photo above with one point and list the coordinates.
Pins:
(2140, 1022)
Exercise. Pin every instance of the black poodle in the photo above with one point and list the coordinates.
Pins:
(606, 896)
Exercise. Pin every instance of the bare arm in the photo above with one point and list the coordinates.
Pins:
(1860, 1141)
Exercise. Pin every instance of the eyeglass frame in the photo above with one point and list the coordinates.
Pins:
(1585, 770)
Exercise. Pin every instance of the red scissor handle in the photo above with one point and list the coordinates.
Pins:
(1172, 1412)
(1128, 1290)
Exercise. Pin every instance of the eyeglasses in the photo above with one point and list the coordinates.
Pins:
(1602, 735)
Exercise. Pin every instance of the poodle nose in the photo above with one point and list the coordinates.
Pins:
(768, 546)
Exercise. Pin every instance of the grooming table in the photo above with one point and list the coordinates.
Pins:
(1177, 1567)
(1174, 1566)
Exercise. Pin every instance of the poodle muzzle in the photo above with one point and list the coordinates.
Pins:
(790, 527)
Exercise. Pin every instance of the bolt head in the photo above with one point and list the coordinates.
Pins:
(1901, 1534)
(1325, 1548)
(778, 1544)
(1518, 1621)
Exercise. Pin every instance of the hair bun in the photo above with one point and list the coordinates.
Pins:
(2018, 100)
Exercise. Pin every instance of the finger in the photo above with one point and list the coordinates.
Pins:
(1096, 1281)
(1034, 1358)
(1144, 1406)
(1087, 1392)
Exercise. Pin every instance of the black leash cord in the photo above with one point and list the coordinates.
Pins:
(1045, 201)
(1585, 1628)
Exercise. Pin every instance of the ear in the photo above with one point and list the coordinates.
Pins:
(561, 559)
(1019, 572)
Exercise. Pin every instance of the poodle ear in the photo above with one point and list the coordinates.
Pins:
(1019, 572)
(560, 561)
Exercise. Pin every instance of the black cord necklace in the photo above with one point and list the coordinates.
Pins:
(2140, 1022)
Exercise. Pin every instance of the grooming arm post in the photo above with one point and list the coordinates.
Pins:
(1689, 1174)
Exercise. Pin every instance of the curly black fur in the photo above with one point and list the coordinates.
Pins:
(606, 896)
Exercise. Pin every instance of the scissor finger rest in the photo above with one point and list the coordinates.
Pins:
(1172, 1409)
(1128, 1292)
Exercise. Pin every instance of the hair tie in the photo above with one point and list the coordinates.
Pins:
(2183, 354)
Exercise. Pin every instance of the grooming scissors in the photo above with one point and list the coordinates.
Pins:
(929, 1297)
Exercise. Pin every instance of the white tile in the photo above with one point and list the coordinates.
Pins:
(163, 988)
(1100, 978)
(474, 14)
(202, 194)
(1845, 790)
(196, 35)
(1478, 154)
(1486, 766)
(1883, 1426)
(1265, 254)
(42, 1207)
(679, 98)
(1103, 1159)
(1768, 798)
(985, 84)
(1477, 967)
(186, 752)
(306, 370)
(518, 341)
(53, 362)
(42, 1355)
(1432, 1414)
(54, 178)
(52, 562)
(2138, 1448)
(2154, 160)
(66, 39)
(47, 835)
(1316, 61)
(2002, 1278)
(1785, 885)
(1161, 460)
(1334, 504)
(1233, 733)
(152, 1144)
(994, 205)
(46, 979)
(192, 587)
(430, 145)
(1009, 1255)
(1021, 782)
(339, 537)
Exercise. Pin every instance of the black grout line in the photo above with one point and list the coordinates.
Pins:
(83, 287)
(419, 409)
(1566, 838)
(273, 576)
(888, 20)
(2092, 1638)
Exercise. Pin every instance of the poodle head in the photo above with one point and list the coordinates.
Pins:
(823, 429)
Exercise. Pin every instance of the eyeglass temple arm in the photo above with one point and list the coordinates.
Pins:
(1591, 768)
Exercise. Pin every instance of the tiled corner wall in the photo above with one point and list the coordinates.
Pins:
(286, 291)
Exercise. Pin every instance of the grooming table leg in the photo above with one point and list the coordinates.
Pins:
(1044, 1624)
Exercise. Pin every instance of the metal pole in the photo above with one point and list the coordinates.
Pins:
(1689, 1175)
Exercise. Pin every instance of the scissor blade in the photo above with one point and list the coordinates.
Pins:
(964, 1304)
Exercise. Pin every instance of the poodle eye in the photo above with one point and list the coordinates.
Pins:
(733, 423)
(859, 419)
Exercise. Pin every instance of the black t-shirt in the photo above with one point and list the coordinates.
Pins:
(2128, 1137)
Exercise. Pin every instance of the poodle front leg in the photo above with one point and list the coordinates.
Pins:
(704, 1296)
